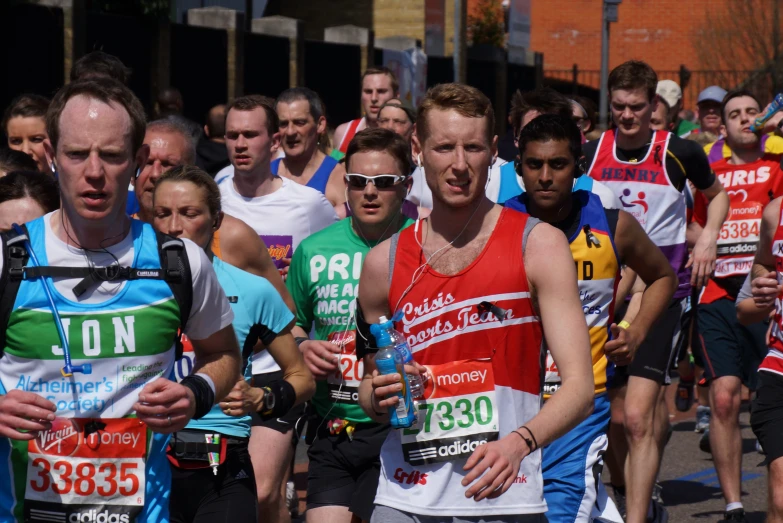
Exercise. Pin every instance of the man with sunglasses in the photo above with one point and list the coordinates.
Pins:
(344, 442)
(283, 213)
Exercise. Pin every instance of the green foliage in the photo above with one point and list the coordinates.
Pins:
(486, 24)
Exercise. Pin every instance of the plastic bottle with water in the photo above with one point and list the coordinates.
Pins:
(415, 382)
(388, 360)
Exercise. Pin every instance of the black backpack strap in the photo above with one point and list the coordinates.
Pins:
(14, 260)
(176, 272)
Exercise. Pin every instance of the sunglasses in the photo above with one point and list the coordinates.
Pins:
(381, 181)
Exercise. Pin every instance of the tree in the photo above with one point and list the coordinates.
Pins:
(741, 43)
(486, 24)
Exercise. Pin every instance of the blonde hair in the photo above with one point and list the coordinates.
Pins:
(466, 100)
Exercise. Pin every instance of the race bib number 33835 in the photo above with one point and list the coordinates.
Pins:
(87, 468)
(459, 413)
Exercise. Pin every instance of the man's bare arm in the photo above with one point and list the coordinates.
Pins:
(705, 250)
(547, 253)
(763, 276)
(243, 248)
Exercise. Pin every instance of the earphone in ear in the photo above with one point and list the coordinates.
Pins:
(581, 167)
(418, 159)
(138, 172)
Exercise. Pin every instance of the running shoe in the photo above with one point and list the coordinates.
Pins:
(659, 513)
(759, 448)
(292, 499)
(619, 501)
(702, 418)
(734, 516)
(684, 398)
(704, 442)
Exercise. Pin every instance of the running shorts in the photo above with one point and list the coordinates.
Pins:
(731, 349)
(572, 466)
(766, 415)
(344, 472)
(285, 423)
(654, 356)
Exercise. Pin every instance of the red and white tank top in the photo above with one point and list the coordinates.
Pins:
(486, 373)
(750, 187)
(645, 190)
(773, 362)
(353, 126)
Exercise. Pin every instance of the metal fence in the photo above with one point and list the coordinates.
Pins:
(587, 82)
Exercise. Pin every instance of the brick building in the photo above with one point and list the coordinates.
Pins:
(663, 33)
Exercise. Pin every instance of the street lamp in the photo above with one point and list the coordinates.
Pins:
(609, 15)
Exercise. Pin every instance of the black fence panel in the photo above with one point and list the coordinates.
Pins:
(199, 68)
(129, 38)
(32, 59)
(481, 74)
(334, 72)
(267, 64)
(440, 70)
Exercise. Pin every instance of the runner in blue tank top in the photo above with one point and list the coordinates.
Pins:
(205, 484)
(302, 122)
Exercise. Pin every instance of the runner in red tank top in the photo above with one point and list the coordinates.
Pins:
(379, 85)
(767, 297)
(474, 283)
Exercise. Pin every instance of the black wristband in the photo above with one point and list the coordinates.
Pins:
(205, 398)
(300, 339)
(285, 398)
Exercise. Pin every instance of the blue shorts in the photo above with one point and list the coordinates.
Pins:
(572, 466)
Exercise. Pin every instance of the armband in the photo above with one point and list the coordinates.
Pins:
(205, 396)
(365, 342)
(301, 339)
(283, 398)
(624, 324)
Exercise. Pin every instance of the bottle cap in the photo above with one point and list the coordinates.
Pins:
(381, 333)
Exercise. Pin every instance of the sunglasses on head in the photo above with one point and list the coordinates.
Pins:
(381, 181)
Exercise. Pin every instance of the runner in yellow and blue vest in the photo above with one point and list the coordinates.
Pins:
(601, 241)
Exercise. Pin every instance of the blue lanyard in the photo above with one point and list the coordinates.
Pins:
(68, 369)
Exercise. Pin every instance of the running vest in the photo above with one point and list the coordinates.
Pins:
(750, 188)
(645, 191)
(486, 373)
(773, 362)
(321, 176)
(598, 273)
(98, 460)
(510, 183)
(349, 134)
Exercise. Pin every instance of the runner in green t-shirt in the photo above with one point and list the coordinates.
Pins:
(323, 279)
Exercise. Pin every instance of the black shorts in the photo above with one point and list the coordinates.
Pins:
(766, 415)
(200, 496)
(285, 423)
(656, 352)
(690, 332)
(345, 472)
(731, 349)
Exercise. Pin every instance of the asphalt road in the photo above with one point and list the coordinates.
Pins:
(690, 484)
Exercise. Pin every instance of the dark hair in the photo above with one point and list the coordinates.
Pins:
(26, 106)
(465, 99)
(254, 101)
(216, 121)
(107, 91)
(736, 93)
(303, 93)
(98, 64)
(177, 125)
(590, 108)
(634, 74)
(544, 100)
(12, 160)
(384, 140)
(38, 186)
(383, 70)
(199, 178)
(169, 102)
(552, 127)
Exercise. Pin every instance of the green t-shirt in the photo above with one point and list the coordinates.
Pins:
(324, 281)
(684, 127)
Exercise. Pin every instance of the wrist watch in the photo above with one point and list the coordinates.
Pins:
(268, 401)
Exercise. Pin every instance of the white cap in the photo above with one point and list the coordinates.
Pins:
(670, 91)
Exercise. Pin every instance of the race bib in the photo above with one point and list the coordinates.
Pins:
(742, 224)
(343, 384)
(458, 414)
(87, 470)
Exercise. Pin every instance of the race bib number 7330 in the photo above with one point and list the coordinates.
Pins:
(459, 413)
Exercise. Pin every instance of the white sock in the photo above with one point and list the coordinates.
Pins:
(733, 506)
